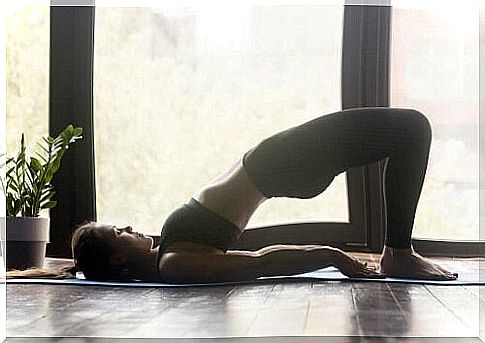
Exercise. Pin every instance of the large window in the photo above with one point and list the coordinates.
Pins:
(435, 69)
(27, 69)
(182, 92)
(27, 72)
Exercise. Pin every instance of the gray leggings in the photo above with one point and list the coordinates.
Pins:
(302, 161)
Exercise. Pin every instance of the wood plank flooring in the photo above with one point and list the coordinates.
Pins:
(342, 311)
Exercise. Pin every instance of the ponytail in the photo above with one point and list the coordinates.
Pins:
(66, 272)
(91, 254)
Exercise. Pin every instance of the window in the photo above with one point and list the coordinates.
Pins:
(182, 92)
(435, 69)
(27, 71)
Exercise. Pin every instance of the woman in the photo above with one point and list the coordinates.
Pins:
(300, 162)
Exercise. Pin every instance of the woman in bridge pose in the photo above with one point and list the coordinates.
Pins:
(299, 162)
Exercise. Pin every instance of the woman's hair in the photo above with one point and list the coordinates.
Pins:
(92, 256)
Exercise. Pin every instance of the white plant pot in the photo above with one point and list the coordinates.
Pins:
(27, 238)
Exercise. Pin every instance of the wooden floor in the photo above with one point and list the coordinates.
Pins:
(342, 311)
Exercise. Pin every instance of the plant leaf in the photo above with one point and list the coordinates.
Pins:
(43, 148)
(10, 211)
(35, 164)
(10, 170)
(47, 196)
(42, 158)
(17, 205)
(49, 204)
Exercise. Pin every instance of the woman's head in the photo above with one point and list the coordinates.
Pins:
(106, 252)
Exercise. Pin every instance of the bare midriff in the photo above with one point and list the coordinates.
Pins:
(232, 195)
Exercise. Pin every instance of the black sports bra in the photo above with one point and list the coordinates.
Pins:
(193, 222)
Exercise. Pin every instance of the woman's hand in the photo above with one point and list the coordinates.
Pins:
(351, 267)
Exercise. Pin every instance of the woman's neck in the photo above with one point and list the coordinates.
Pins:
(146, 267)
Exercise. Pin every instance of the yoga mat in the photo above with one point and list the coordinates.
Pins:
(322, 275)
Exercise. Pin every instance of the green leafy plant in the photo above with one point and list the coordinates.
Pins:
(28, 187)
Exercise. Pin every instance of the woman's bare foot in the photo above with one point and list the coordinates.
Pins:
(406, 263)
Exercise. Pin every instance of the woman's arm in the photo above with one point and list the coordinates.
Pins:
(281, 260)
(298, 259)
(285, 260)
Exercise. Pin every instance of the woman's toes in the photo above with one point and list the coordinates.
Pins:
(455, 275)
(449, 276)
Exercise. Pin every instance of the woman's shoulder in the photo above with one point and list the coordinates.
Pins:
(180, 259)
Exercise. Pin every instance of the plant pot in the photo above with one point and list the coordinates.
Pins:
(27, 238)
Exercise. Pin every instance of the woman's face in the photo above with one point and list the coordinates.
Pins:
(126, 238)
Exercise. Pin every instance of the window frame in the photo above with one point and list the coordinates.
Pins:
(71, 101)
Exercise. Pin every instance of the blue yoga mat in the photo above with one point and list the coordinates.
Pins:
(322, 275)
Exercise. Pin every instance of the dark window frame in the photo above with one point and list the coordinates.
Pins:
(365, 82)
(71, 101)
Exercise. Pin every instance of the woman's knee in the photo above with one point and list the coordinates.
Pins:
(423, 125)
(418, 122)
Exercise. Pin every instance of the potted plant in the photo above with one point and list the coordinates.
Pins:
(28, 190)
